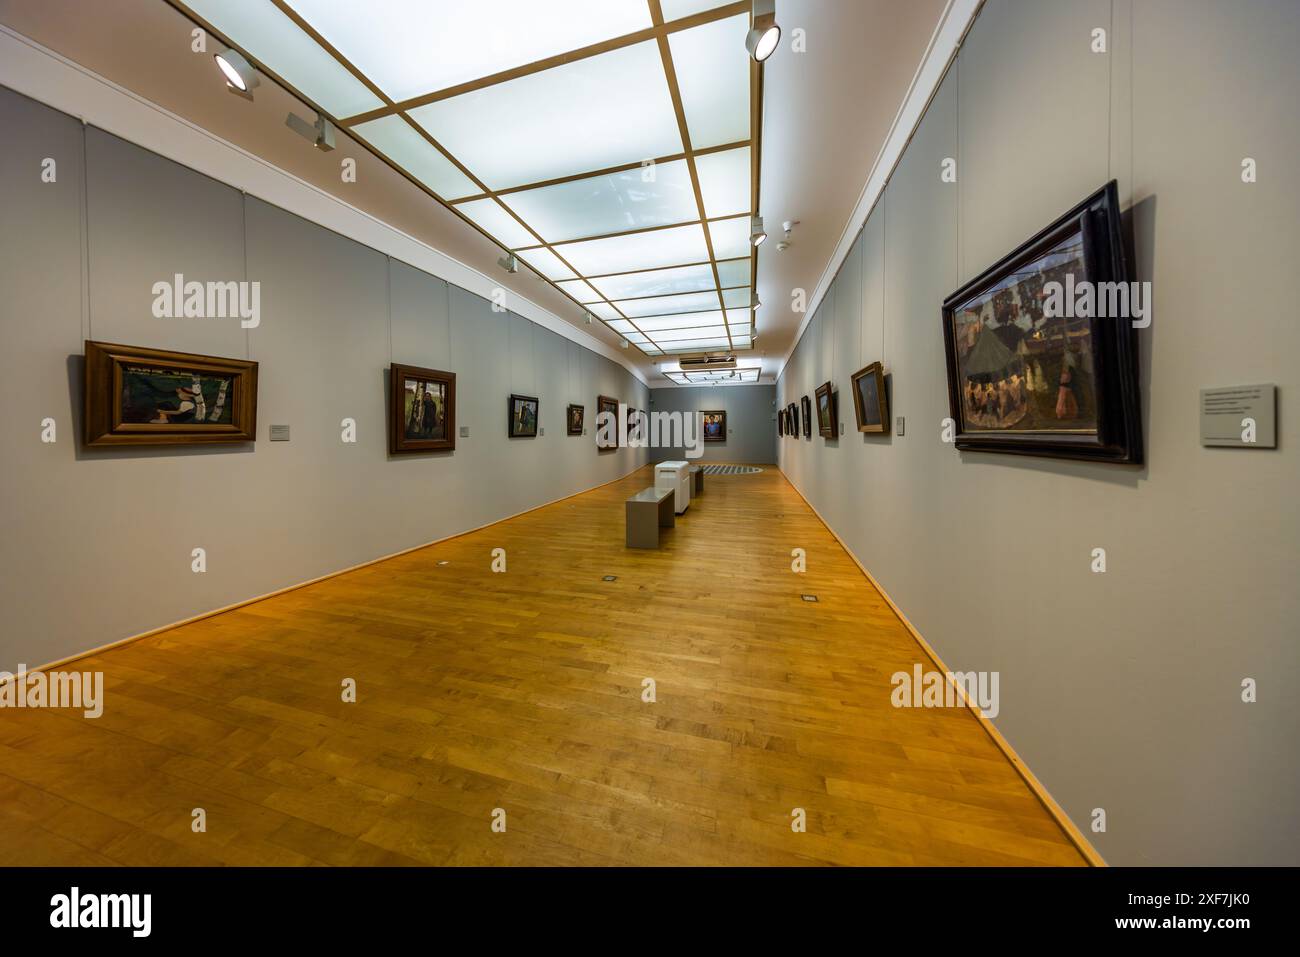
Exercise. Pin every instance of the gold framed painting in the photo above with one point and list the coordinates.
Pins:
(139, 396)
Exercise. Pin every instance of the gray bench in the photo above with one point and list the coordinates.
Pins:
(648, 511)
(697, 480)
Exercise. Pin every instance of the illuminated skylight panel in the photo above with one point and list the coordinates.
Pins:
(713, 75)
(694, 345)
(677, 9)
(634, 199)
(662, 247)
(271, 37)
(736, 297)
(579, 290)
(734, 272)
(724, 182)
(603, 311)
(594, 113)
(412, 47)
(656, 282)
(730, 237)
(393, 137)
(497, 222)
(547, 263)
(668, 305)
(685, 321)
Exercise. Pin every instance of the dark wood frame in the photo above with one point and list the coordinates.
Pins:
(398, 443)
(792, 418)
(604, 400)
(806, 404)
(510, 416)
(721, 412)
(568, 418)
(826, 432)
(103, 425)
(1114, 343)
(882, 399)
(780, 422)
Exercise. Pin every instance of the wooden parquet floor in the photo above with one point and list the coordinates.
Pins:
(523, 691)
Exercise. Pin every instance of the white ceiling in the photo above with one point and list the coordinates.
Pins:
(826, 114)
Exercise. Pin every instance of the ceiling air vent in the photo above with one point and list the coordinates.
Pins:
(705, 363)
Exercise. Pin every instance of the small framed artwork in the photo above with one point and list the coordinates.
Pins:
(421, 410)
(870, 404)
(633, 425)
(574, 418)
(792, 416)
(523, 417)
(806, 404)
(826, 412)
(139, 396)
(604, 404)
(780, 422)
(715, 425)
(1040, 360)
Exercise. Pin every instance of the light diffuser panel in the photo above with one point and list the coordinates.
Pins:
(278, 42)
(656, 282)
(724, 182)
(667, 305)
(690, 320)
(410, 47)
(734, 272)
(713, 76)
(393, 137)
(635, 199)
(497, 222)
(730, 237)
(546, 263)
(579, 290)
(663, 247)
(591, 114)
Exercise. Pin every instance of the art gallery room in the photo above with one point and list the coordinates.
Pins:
(651, 433)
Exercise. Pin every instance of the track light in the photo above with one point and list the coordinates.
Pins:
(509, 263)
(239, 73)
(756, 234)
(588, 317)
(321, 133)
(754, 302)
(622, 343)
(763, 34)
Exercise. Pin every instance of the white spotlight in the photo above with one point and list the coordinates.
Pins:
(588, 318)
(239, 73)
(321, 133)
(622, 343)
(764, 34)
(756, 234)
(509, 263)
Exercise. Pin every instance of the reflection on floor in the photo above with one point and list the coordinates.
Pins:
(524, 691)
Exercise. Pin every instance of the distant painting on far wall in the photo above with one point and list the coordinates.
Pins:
(139, 396)
(826, 427)
(806, 404)
(605, 404)
(574, 418)
(870, 404)
(421, 409)
(715, 426)
(1031, 371)
(523, 417)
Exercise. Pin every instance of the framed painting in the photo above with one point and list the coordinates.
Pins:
(421, 410)
(806, 404)
(780, 422)
(1038, 361)
(633, 425)
(870, 403)
(523, 417)
(792, 417)
(826, 411)
(139, 396)
(715, 425)
(605, 404)
(574, 419)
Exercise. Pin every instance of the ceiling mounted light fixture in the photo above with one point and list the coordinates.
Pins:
(763, 34)
(588, 317)
(239, 73)
(321, 133)
(509, 263)
(756, 234)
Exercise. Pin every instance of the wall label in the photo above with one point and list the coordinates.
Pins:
(1239, 416)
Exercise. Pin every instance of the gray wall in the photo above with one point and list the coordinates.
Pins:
(751, 420)
(1120, 690)
(96, 543)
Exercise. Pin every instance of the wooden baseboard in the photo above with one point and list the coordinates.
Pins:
(288, 588)
(1076, 836)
